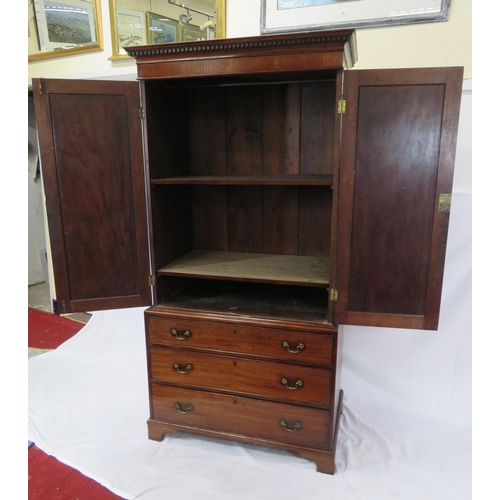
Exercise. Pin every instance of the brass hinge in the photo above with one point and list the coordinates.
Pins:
(151, 280)
(341, 106)
(141, 113)
(444, 202)
(40, 88)
(334, 294)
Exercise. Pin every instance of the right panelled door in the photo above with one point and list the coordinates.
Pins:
(399, 134)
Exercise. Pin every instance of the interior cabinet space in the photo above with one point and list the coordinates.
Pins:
(244, 299)
(244, 179)
(284, 231)
(256, 193)
(230, 133)
(257, 219)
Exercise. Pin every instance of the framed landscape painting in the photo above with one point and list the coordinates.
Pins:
(131, 28)
(286, 16)
(161, 29)
(191, 33)
(62, 25)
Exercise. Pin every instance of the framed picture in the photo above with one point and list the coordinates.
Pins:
(131, 28)
(63, 24)
(191, 33)
(161, 29)
(282, 16)
(33, 41)
(210, 34)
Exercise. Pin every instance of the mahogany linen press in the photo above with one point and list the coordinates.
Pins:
(256, 193)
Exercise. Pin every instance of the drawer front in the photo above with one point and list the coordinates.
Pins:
(279, 422)
(259, 378)
(296, 346)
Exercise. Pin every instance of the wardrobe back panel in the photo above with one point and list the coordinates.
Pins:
(262, 129)
(287, 220)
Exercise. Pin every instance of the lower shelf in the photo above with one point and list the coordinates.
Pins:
(281, 302)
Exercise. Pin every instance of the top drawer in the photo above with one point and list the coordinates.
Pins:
(296, 346)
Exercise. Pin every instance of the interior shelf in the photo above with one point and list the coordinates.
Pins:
(278, 302)
(255, 180)
(256, 267)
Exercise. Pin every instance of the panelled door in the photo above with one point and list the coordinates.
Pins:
(398, 148)
(93, 173)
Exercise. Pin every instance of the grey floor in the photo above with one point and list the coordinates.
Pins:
(39, 297)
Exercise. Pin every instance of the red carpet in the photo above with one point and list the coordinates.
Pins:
(49, 479)
(48, 331)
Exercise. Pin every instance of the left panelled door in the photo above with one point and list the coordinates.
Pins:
(91, 153)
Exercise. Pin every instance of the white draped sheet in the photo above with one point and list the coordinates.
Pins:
(405, 431)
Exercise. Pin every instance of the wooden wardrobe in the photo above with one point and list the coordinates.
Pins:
(256, 193)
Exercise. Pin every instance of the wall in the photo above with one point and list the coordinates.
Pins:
(37, 272)
(96, 63)
(431, 44)
(90, 64)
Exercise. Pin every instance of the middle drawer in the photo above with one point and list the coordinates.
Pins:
(281, 381)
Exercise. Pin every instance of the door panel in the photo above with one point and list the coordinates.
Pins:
(92, 164)
(398, 147)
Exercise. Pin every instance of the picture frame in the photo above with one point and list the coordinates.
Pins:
(161, 29)
(61, 28)
(131, 28)
(286, 16)
(191, 33)
(210, 33)
(33, 40)
(64, 24)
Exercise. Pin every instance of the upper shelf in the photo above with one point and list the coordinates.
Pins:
(251, 180)
(256, 267)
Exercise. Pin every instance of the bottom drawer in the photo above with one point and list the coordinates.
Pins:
(283, 423)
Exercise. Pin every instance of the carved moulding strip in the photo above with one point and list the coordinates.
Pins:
(241, 44)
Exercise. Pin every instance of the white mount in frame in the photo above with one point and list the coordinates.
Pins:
(285, 16)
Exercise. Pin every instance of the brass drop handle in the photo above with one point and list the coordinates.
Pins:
(295, 427)
(181, 336)
(298, 384)
(186, 370)
(299, 348)
(178, 407)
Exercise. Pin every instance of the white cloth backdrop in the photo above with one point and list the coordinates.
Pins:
(405, 431)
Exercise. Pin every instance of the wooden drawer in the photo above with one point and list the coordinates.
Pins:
(259, 378)
(241, 416)
(296, 346)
